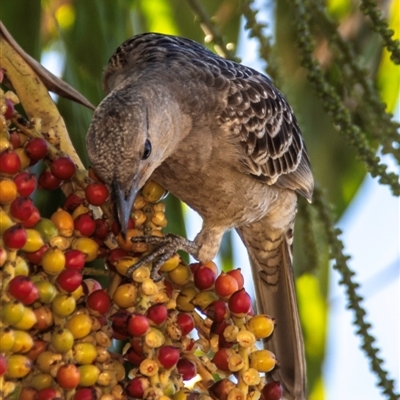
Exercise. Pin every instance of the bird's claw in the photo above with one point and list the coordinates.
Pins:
(168, 245)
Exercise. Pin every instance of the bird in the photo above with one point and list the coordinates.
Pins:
(223, 139)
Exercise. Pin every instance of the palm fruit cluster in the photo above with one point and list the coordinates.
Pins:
(191, 334)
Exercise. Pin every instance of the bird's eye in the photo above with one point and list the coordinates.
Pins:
(147, 150)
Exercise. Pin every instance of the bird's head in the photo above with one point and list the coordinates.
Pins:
(119, 146)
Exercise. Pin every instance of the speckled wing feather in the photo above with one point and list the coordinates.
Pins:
(272, 148)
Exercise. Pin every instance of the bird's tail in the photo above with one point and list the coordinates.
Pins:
(271, 262)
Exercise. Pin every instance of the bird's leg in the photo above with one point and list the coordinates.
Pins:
(166, 247)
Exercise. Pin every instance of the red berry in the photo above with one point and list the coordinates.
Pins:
(3, 364)
(31, 297)
(101, 230)
(63, 168)
(10, 111)
(237, 274)
(85, 394)
(185, 322)
(48, 181)
(225, 285)
(157, 313)
(119, 324)
(21, 208)
(72, 202)
(96, 193)
(15, 237)
(47, 394)
(84, 224)
(99, 302)
(168, 356)
(204, 277)
(74, 259)
(221, 358)
(36, 149)
(240, 302)
(134, 357)
(20, 286)
(25, 182)
(15, 139)
(138, 324)
(272, 391)
(33, 219)
(216, 311)
(136, 387)
(35, 258)
(69, 280)
(186, 368)
(9, 162)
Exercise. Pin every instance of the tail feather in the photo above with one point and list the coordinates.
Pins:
(271, 263)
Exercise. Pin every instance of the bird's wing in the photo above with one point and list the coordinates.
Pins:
(255, 112)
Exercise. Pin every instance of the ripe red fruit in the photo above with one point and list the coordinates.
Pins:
(72, 202)
(9, 162)
(119, 324)
(84, 224)
(68, 376)
(168, 356)
(33, 219)
(99, 302)
(47, 394)
(69, 280)
(74, 259)
(15, 237)
(20, 286)
(186, 368)
(3, 365)
(35, 258)
(138, 324)
(237, 274)
(101, 231)
(31, 297)
(272, 391)
(204, 277)
(10, 111)
(134, 357)
(85, 394)
(96, 193)
(63, 168)
(25, 182)
(221, 358)
(225, 285)
(36, 149)
(216, 311)
(240, 302)
(48, 181)
(157, 313)
(21, 208)
(136, 387)
(185, 322)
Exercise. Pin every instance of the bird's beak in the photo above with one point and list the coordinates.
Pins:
(123, 201)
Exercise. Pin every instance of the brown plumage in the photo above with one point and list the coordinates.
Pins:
(223, 139)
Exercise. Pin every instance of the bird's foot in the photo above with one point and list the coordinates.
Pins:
(166, 247)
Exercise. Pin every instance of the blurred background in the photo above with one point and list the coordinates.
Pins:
(330, 60)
